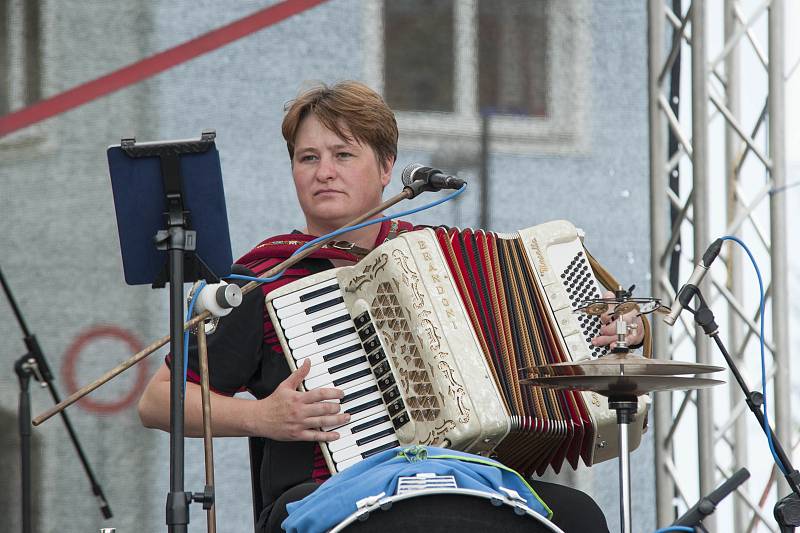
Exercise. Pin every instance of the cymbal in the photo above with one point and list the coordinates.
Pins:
(616, 364)
(621, 385)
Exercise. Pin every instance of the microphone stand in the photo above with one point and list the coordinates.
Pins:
(787, 510)
(174, 241)
(708, 504)
(408, 192)
(33, 363)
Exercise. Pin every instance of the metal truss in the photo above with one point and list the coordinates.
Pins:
(714, 134)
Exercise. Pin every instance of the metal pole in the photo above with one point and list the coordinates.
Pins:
(624, 480)
(659, 228)
(700, 162)
(780, 292)
(485, 189)
(733, 149)
(177, 503)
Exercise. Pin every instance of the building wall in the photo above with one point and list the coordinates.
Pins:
(60, 254)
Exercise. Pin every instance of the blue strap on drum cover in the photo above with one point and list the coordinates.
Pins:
(336, 499)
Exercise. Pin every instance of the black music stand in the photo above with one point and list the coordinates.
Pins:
(173, 226)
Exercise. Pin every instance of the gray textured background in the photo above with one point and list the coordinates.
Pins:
(59, 248)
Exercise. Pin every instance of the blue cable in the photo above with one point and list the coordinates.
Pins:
(675, 528)
(353, 228)
(767, 429)
(306, 245)
(186, 333)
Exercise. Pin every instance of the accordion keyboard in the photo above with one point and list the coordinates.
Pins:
(344, 353)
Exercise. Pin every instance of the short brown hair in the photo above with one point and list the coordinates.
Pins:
(351, 104)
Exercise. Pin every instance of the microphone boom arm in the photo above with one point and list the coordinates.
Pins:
(406, 193)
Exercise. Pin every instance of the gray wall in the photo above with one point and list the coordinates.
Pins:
(59, 249)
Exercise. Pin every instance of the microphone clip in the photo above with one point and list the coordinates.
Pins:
(416, 187)
(702, 314)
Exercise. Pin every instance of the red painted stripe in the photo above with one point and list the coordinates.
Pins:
(152, 65)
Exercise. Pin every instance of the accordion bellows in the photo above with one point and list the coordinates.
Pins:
(429, 334)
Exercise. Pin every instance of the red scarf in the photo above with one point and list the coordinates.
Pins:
(275, 249)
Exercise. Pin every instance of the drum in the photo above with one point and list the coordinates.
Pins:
(444, 510)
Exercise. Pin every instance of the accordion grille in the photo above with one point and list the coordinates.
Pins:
(413, 375)
(578, 281)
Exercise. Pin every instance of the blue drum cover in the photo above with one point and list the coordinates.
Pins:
(336, 499)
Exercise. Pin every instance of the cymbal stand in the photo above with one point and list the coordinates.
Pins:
(626, 407)
(787, 510)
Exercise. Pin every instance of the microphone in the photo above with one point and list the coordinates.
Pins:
(684, 296)
(434, 179)
(709, 503)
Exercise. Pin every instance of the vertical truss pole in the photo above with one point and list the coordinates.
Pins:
(777, 204)
(659, 229)
(700, 206)
(742, 205)
(733, 150)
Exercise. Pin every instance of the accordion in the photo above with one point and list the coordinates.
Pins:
(429, 335)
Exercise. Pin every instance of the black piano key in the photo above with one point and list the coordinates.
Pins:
(376, 436)
(352, 377)
(385, 382)
(381, 369)
(333, 336)
(370, 424)
(347, 364)
(324, 305)
(396, 407)
(332, 322)
(366, 332)
(344, 351)
(319, 292)
(400, 420)
(371, 344)
(361, 319)
(391, 395)
(364, 406)
(376, 357)
(387, 446)
(358, 394)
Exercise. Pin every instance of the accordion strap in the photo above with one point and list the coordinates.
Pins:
(610, 283)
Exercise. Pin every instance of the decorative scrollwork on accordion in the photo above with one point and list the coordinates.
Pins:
(446, 321)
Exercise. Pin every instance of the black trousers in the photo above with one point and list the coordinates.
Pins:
(573, 511)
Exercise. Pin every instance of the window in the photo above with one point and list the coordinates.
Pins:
(21, 73)
(441, 64)
(20, 58)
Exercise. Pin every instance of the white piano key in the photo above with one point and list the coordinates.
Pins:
(350, 440)
(325, 367)
(294, 297)
(324, 336)
(311, 349)
(301, 307)
(357, 459)
(328, 380)
(347, 387)
(302, 318)
(372, 412)
(308, 327)
(333, 354)
(362, 425)
(361, 401)
(318, 337)
(356, 451)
